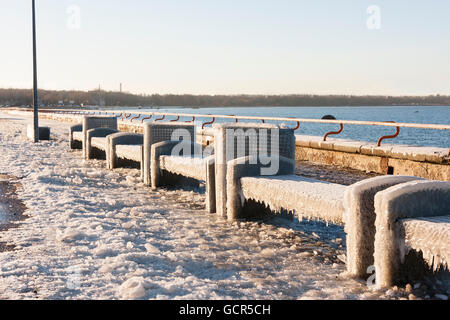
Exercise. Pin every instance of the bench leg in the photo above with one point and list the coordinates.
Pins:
(233, 204)
(71, 142)
(387, 257)
(360, 221)
(142, 164)
(84, 145)
(155, 173)
(88, 148)
(221, 189)
(210, 187)
(111, 158)
(146, 164)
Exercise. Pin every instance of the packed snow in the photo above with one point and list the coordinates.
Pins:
(2, 214)
(99, 234)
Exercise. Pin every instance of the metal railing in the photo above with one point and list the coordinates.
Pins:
(148, 115)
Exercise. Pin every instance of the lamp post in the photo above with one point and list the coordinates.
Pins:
(35, 93)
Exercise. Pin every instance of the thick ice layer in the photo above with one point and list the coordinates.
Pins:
(99, 143)
(78, 135)
(310, 199)
(192, 167)
(129, 152)
(431, 236)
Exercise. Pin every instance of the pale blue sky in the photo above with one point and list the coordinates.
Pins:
(226, 47)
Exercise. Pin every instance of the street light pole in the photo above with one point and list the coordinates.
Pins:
(35, 93)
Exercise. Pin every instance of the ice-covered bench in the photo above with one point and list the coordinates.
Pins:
(188, 161)
(91, 127)
(137, 147)
(411, 216)
(267, 148)
(307, 198)
(310, 199)
(97, 142)
(125, 146)
(158, 132)
(352, 206)
(174, 153)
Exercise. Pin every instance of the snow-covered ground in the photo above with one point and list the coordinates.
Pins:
(99, 234)
(2, 213)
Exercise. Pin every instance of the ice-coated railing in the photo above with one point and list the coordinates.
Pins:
(139, 117)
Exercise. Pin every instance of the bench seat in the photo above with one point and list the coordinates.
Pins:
(129, 152)
(309, 198)
(431, 236)
(191, 167)
(99, 143)
(78, 135)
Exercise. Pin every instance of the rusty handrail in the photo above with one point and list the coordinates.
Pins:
(136, 117)
(207, 123)
(327, 119)
(125, 117)
(333, 132)
(146, 118)
(298, 125)
(175, 120)
(305, 120)
(232, 115)
(193, 120)
(389, 137)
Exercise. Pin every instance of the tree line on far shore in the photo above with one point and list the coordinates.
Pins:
(52, 98)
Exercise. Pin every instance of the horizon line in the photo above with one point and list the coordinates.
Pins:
(235, 94)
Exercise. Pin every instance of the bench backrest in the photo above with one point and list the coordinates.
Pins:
(158, 132)
(249, 139)
(99, 122)
(238, 141)
(94, 123)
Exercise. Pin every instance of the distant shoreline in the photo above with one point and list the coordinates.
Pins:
(336, 106)
(53, 98)
(210, 107)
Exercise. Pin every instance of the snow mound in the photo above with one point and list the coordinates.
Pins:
(70, 235)
(134, 288)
